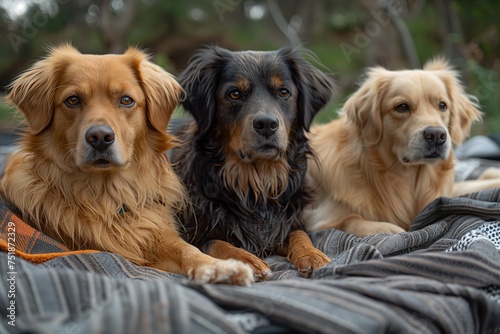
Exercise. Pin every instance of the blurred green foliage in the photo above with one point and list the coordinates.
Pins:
(172, 30)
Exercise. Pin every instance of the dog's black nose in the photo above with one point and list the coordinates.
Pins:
(435, 135)
(266, 125)
(100, 137)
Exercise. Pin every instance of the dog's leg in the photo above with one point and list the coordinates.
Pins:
(303, 255)
(490, 174)
(184, 258)
(224, 250)
(472, 186)
(357, 225)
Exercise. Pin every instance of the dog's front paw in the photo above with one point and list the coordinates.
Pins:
(225, 272)
(261, 269)
(304, 255)
(308, 261)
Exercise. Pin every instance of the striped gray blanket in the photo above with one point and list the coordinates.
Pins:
(443, 276)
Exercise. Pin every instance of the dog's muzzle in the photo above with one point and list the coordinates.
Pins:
(264, 137)
(435, 138)
(266, 125)
(100, 152)
(100, 137)
(435, 135)
(428, 146)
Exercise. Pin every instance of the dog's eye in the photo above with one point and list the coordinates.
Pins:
(284, 93)
(127, 101)
(235, 95)
(403, 107)
(72, 101)
(442, 106)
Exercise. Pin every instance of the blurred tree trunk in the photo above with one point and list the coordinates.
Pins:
(114, 27)
(451, 32)
(311, 16)
(384, 48)
(282, 23)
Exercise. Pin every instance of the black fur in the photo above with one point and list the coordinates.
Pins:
(257, 225)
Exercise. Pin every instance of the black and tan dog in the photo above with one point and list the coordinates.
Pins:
(244, 156)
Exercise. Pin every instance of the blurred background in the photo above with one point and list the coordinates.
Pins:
(346, 35)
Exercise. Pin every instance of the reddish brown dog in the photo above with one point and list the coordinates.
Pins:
(91, 170)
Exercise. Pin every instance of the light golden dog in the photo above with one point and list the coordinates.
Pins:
(390, 153)
(91, 170)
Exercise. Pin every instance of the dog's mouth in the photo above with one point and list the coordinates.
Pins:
(427, 157)
(101, 162)
(268, 147)
(266, 151)
(433, 155)
(269, 151)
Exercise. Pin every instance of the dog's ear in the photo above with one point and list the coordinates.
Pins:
(363, 108)
(160, 87)
(464, 108)
(33, 91)
(200, 80)
(315, 89)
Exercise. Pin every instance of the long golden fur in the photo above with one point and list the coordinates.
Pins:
(91, 169)
(390, 153)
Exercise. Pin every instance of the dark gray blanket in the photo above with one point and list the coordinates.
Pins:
(443, 276)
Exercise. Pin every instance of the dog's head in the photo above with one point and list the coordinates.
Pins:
(95, 109)
(255, 98)
(415, 115)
